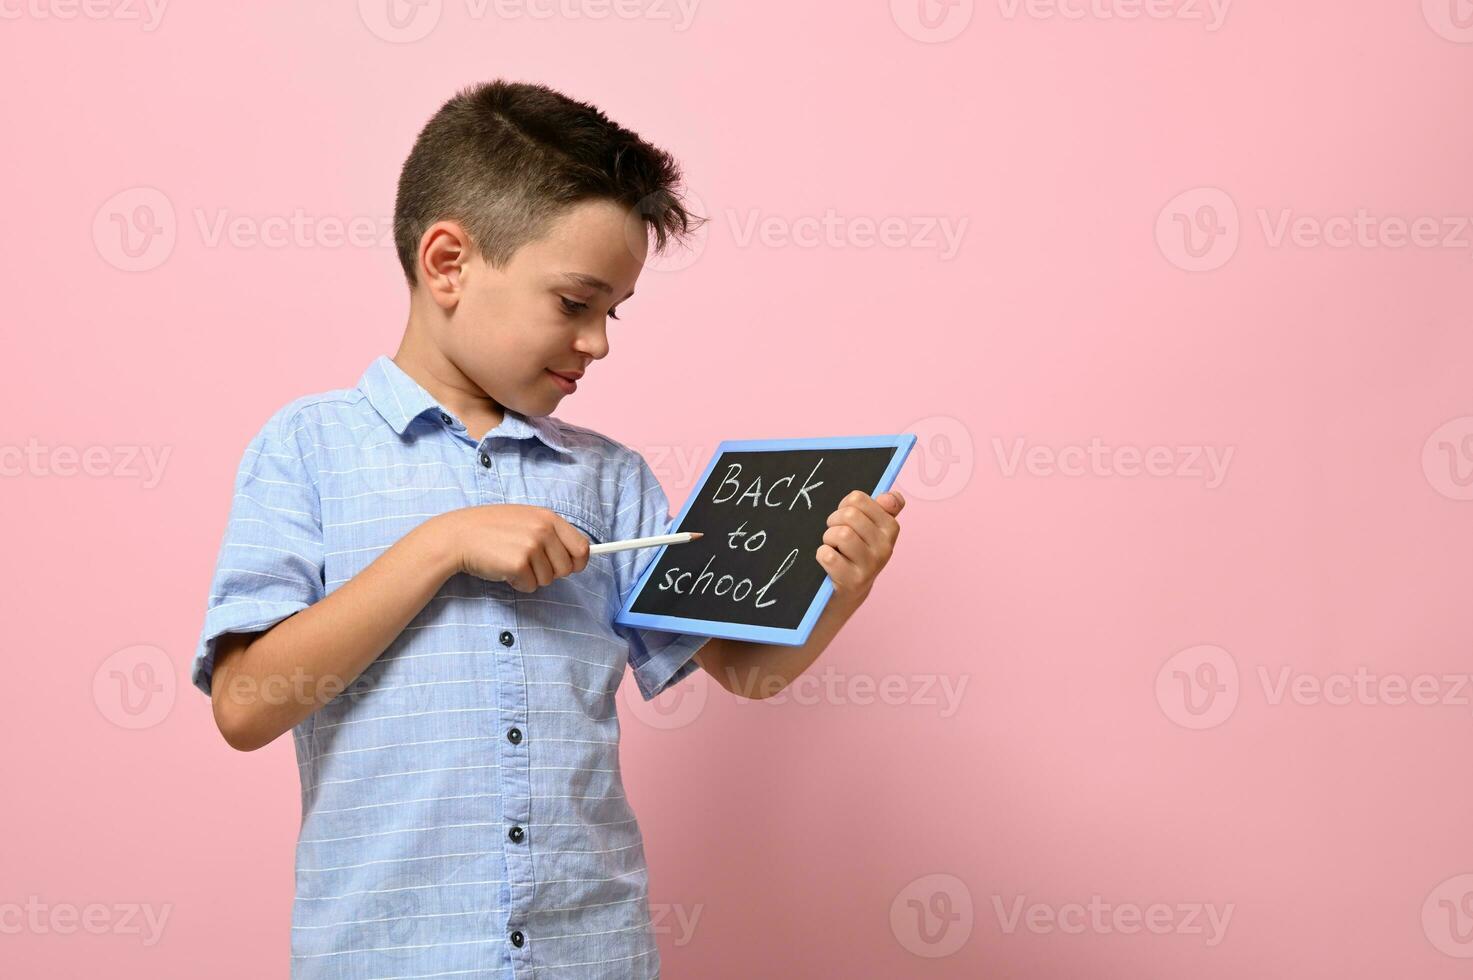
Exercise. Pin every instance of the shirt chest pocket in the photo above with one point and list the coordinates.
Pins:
(583, 511)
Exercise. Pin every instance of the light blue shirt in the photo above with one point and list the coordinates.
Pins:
(462, 809)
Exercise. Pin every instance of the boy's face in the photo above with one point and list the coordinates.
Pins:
(509, 330)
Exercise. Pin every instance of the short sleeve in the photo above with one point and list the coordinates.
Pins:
(659, 659)
(271, 560)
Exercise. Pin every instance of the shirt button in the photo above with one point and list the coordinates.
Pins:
(516, 834)
(514, 736)
(507, 639)
(446, 419)
(517, 939)
(485, 461)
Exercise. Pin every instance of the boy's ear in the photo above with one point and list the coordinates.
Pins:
(443, 251)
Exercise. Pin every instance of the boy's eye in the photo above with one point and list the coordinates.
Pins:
(572, 307)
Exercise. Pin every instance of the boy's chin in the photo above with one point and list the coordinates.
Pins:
(543, 399)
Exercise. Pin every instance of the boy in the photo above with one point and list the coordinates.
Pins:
(405, 582)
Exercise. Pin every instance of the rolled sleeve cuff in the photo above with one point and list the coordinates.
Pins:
(239, 616)
(670, 659)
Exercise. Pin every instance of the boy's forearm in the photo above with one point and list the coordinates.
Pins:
(760, 670)
(265, 683)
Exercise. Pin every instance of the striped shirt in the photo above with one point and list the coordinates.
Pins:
(462, 809)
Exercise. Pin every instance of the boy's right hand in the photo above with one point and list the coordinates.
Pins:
(526, 547)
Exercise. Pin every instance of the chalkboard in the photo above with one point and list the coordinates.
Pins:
(762, 506)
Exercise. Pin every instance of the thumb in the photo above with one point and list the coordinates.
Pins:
(892, 501)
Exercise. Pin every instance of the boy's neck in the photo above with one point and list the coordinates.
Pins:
(434, 372)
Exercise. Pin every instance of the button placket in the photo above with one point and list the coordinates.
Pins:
(508, 669)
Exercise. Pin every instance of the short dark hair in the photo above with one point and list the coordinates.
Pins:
(506, 158)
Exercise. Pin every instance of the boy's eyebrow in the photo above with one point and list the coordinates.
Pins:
(593, 282)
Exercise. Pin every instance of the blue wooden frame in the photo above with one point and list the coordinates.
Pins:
(797, 636)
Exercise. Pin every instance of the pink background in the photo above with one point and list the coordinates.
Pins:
(1117, 639)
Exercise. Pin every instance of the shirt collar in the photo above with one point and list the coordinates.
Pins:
(400, 400)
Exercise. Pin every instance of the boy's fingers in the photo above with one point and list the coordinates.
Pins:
(882, 516)
(561, 561)
(575, 545)
(863, 524)
(541, 570)
(839, 567)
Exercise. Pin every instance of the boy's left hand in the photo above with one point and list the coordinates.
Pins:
(859, 541)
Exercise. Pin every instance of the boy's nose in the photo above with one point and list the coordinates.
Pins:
(595, 345)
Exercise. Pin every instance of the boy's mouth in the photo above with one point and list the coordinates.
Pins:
(567, 382)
